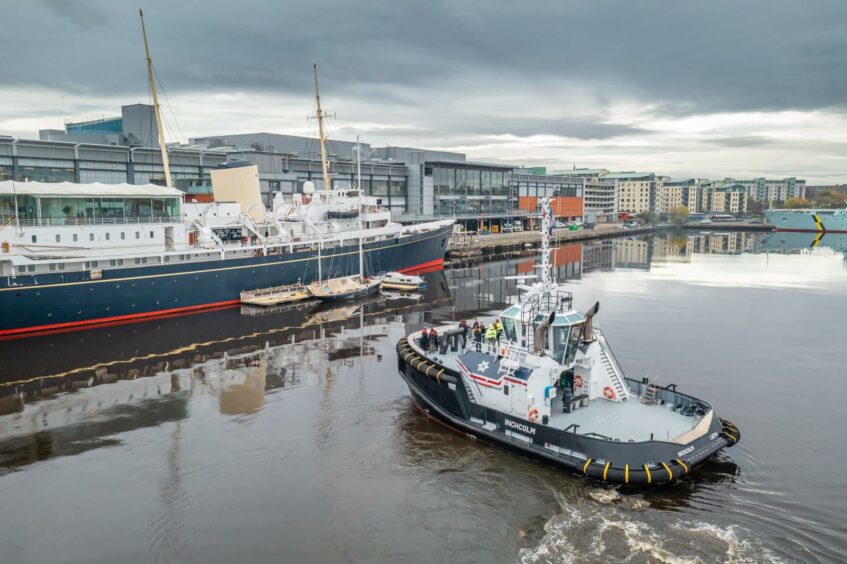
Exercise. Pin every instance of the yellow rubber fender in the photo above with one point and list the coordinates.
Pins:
(649, 477)
(606, 470)
(438, 376)
(681, 463)
(585, 468)
(670, 472)
(428, 369)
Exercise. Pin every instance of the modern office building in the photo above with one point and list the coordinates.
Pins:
(63, 161)
(565, 193)
(135, 127)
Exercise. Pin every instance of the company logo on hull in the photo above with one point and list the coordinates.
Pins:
(522, 427)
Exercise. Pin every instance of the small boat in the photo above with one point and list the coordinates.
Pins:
(344, 288)
(276, 295)
(552, 388)
(400, 281)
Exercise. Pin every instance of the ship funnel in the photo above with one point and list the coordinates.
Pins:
(539, 341)
(588, 327)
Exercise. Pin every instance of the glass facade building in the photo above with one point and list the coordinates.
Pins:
(470, 189)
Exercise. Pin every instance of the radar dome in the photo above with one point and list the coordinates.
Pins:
(308, 187)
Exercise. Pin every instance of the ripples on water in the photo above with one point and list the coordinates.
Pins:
(289, 436)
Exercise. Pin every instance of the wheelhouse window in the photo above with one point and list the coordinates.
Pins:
(565, 342)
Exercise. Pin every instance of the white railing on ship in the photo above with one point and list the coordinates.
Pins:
(59, 221)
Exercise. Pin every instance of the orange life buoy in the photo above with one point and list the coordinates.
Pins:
(577, 381)
(533, 415)
(608, 393)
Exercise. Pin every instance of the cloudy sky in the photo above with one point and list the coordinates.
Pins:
(679, 87)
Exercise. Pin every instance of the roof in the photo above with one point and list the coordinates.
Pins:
(580, 172)
(93, 189)
(629, 175)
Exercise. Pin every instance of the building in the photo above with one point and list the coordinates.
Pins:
(62, 161)
(766, 191)
(587, 173)
(672, 193)
(601, 200)
(723, 198)
(565, 193)
(135, 127)
(636, 191)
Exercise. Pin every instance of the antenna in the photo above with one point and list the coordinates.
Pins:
(165, 163)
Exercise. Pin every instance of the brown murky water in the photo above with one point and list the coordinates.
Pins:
(289, 437)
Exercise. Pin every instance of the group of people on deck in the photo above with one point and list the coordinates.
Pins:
(480, 333)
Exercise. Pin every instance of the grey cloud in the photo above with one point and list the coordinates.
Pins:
(704, 56)
(742, 141)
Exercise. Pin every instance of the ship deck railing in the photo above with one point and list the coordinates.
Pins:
(60, 221)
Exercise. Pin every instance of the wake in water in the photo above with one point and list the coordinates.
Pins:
(601, 525)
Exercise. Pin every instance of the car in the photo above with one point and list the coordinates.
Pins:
(485, 232)
(630, 223)
(506, 228)
(706, 221)
(517, 227)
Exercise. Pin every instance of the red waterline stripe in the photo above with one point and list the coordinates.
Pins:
(430, 266)
(116, 318)
(778, 229)
(6, 334)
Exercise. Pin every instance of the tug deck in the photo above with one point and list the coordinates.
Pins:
(627, 421)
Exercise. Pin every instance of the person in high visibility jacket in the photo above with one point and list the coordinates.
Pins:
(491, 338)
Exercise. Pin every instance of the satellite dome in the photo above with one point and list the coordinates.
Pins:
(308, 187)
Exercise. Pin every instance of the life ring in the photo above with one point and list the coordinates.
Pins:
(533, 415)
(577, 381)
(608, 393)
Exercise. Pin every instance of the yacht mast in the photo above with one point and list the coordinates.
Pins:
(322, 133)
(359, 187)
(150, 78)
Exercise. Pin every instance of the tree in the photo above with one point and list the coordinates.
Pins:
(828, 199)
(794, 203)
(755, 207)
(647, 217)
(679, 214)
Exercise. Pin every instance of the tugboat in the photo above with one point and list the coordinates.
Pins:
(551, 387)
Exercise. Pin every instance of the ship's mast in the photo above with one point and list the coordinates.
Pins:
(359, 187)
(150, 78)
(322, 132)
(546, 218)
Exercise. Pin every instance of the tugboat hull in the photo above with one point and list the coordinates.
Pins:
(440, 392)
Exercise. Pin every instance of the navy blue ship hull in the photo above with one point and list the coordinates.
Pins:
(66, 300)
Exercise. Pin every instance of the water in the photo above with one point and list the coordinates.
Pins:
(223, 437)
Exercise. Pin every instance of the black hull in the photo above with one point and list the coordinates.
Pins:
(439, 391)
(67, 300)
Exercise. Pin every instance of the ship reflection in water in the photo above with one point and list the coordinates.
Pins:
(287, 435)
